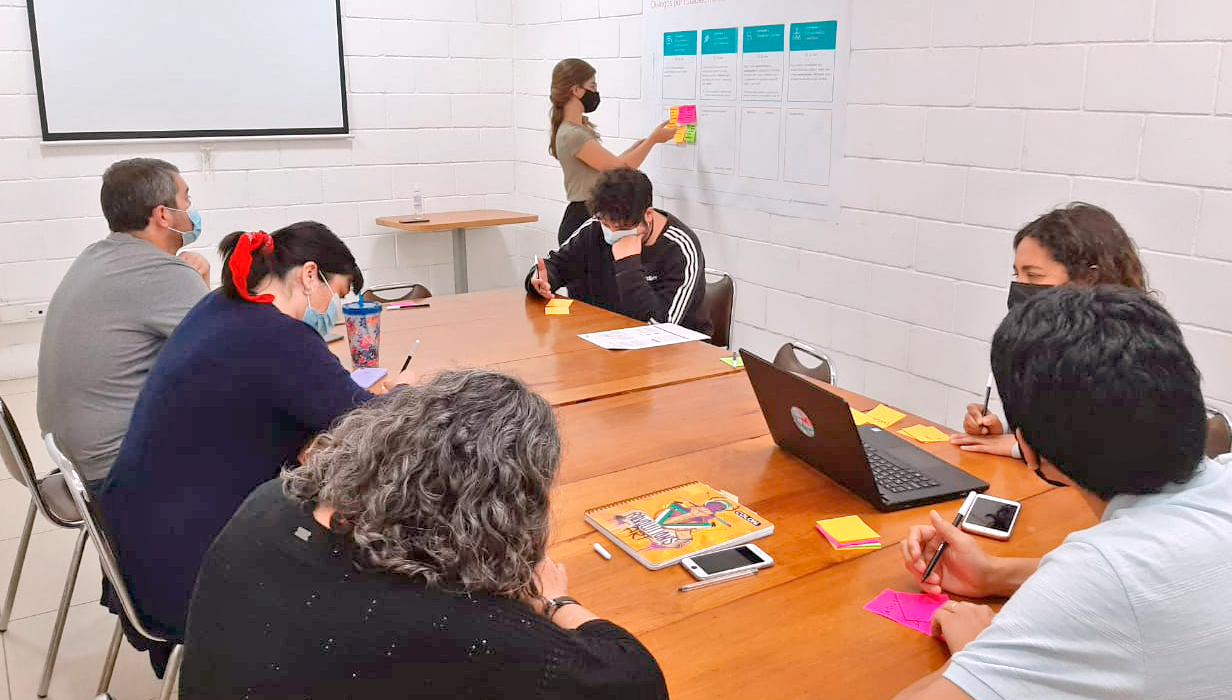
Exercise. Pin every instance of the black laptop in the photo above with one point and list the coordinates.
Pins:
(875, 464)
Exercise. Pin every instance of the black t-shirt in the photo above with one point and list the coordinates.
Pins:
(282, 611)
(666, 282)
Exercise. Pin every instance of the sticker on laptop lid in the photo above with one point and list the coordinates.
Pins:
(802, 421)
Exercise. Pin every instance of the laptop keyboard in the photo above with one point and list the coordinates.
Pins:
(894, 478)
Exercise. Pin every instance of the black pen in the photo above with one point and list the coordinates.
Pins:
(987, 395)
(958, 518)
(409, 356)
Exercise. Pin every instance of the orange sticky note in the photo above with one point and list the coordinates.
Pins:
(859, 417)
(680, 133)
(925, 433)
(560, 302)
(556, 310)
(675, 115)
(883, 416)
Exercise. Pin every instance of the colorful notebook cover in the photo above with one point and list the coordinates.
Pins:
(661, 528)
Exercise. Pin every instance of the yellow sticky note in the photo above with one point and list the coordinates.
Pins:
(859, 417)
(675, 114)
(680, 133)
(848, 529)
(556, 310)
(925, 433)
(883, 416)
(560, 302)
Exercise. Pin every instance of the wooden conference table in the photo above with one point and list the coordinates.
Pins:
(638, 421)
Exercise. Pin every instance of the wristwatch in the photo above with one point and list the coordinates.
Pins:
(556, 604)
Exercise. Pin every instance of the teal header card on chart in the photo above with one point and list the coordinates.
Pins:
(717, 41)
(767, 38)
(680, 43)
(814, 36)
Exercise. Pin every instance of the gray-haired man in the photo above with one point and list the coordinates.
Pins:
(115, 308)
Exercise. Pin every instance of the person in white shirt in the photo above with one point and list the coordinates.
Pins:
(1103, 397)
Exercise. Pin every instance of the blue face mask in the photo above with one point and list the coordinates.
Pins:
(323, 323)
(190, 236)
(612, 236)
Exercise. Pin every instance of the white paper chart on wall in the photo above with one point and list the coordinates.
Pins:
(756, 90)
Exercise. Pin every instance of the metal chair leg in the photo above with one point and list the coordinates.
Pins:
(173, 672)
(113, 651)
(66, 599)
(18, 563)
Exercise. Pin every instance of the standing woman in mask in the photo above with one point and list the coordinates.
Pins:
(574, 141)
(1077, 244)
(240, 388)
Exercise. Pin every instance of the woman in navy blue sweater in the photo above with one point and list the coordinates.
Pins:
(240, 388)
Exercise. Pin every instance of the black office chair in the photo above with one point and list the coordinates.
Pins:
(414, 291)
(1218, 434)
(718, 304)
(787, 359)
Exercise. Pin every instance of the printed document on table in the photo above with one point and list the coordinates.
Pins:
(642, 337)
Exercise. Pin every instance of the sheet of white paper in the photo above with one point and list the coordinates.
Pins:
(719, 76)
(759, 143)
(642, 337)
(808, 146)
(810, 76)
(762, 77)
(679, 77)
(716, 143)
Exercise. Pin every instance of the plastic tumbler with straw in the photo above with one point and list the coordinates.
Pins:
(363, 325)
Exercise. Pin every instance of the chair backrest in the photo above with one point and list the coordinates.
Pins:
(786, 359)
(13, 450)
(414, 291)
(96, 525)
(1218, 434)
(717, 305)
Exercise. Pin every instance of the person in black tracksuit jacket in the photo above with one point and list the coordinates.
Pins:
(629, 257)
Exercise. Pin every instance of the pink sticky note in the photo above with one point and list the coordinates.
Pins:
(688, 114)
(920, 606)
(890, 604)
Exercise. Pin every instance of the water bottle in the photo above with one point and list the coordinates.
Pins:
(417, 201)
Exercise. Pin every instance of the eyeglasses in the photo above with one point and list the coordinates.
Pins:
(1040, 473)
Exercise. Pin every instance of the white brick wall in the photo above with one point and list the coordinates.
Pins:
(966, 120)
(430, 101)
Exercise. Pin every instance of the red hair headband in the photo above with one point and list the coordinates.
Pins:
(241, 263)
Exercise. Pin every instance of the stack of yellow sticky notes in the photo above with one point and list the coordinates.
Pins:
(558, 306)
(925, 433)
(849, 532)
(882, 416)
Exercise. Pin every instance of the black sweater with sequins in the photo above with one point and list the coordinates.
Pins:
(280, 611)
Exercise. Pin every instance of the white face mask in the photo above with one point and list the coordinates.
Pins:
(612, 236)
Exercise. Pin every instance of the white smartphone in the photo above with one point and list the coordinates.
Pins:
(727, 561)
(992, 517)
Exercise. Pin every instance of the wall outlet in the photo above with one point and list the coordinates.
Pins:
(36, 310)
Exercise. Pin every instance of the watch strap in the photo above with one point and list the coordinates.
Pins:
(557, 603)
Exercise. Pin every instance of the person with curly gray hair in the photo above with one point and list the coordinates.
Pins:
(407, 558)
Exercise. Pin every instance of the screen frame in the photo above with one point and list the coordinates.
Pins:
(995, 533)
(49, 136)
(762, 561)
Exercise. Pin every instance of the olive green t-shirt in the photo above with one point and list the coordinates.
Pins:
(580, 178)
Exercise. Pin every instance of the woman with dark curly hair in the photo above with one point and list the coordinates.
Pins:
(1079, 244)
(407, 558)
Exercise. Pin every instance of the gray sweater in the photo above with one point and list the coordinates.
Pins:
(105, 324)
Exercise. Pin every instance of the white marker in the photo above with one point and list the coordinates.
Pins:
(602, 552)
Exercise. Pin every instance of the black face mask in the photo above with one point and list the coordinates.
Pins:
(1021, 291)
(590, 101)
